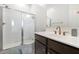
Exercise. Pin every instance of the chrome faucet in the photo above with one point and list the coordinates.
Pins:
(59, 29)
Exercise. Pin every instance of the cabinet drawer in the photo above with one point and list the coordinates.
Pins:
(41, 39)
(61, 48)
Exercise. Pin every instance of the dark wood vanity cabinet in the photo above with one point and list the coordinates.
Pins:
(51, 51)
(40, 45)
(45, 45)
(61, 48)
(40, 48)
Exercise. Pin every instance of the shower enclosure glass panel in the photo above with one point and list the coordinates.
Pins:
(28, 29)
(18, 28)
(11, 28)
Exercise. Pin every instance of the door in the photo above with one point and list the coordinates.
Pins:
(28, 28)
(11, 28)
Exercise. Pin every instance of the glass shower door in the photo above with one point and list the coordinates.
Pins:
(11, 28)
(28, 28)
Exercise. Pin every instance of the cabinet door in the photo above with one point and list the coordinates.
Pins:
(28, 28)
(41, 39)
(51, 51)
(61, 48)
(11, 28)
(39, 48)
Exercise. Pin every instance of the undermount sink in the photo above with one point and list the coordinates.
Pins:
(52, 34)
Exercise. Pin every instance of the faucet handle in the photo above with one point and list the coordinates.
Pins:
(64, 33)
(55, 32)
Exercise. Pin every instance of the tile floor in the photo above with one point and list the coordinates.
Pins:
(25, 49)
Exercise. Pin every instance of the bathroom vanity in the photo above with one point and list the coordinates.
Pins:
(49, 43)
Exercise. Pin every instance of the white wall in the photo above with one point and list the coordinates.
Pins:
(40, 17)
(73, 15)
(68, 14)
(59, 13)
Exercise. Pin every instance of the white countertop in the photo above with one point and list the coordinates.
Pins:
(69, 40)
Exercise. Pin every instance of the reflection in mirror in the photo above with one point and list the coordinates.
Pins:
(57, 14)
